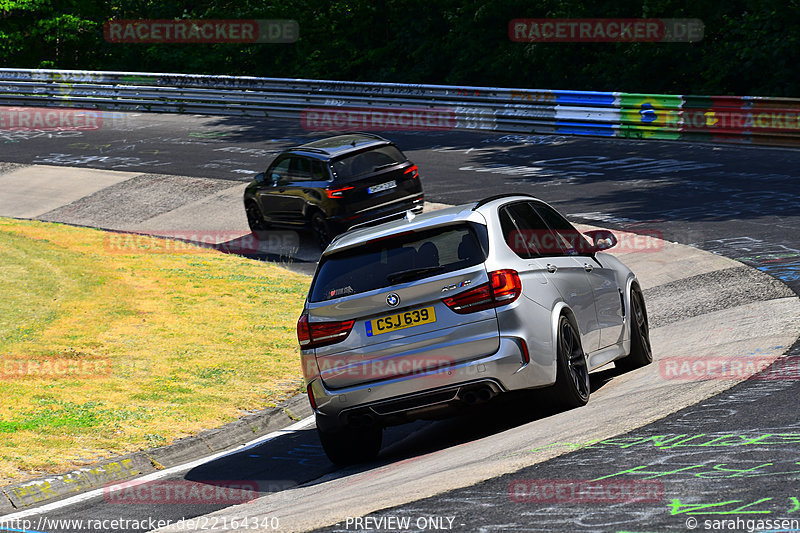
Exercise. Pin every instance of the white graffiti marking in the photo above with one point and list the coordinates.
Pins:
(112, 162)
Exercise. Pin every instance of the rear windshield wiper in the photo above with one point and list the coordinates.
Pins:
(387, 165)
(406, 275)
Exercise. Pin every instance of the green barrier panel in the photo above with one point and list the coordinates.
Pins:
(649, 116)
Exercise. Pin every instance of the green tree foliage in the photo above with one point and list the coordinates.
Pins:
(750, 46)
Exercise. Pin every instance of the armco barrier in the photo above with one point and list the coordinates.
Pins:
(745, 119)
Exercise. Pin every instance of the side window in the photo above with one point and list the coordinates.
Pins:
(318, 171)
(570, 239)
(279, 172)
(300, 169)
(530, 235)
(514, 237)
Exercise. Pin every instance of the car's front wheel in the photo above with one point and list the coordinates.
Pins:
(345, 446)
(572, 378)
(641, 353)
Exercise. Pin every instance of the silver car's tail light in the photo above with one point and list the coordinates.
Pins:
(318, 334)
(503, 287)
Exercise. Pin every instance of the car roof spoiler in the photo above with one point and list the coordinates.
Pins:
(501, 196)
(389, 218)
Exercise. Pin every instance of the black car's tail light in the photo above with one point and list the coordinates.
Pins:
(503, 287)
(337, 193)
(318, 334)
(413, 170)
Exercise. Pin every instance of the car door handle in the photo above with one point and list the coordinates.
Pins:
(587, 267)
(551, 268)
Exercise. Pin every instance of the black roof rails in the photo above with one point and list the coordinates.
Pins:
(500, 196)
(332, 150)
(301, 148)
(367, 134)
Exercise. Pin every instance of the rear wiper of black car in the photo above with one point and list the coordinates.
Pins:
(387, 165)
(406, 275)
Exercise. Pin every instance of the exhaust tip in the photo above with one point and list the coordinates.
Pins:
(470, 397)
(485, 394)
(478, 395)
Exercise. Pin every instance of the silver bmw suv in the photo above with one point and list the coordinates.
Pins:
(426, 316)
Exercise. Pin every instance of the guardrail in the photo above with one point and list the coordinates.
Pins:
(337, 105)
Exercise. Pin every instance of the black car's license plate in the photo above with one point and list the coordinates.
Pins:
(382, 187)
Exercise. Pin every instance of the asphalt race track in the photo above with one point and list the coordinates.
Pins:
(735, 455)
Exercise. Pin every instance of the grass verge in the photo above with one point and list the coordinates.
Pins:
(107, 350)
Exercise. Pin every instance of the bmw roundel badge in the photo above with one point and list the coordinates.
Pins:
(393, 299)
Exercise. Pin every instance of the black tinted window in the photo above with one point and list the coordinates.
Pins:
(280, 170)
(526, 233)
(570, 239)
(318, 171)
(300, 169)
(369, 161)
(513, 237)
(405, 257)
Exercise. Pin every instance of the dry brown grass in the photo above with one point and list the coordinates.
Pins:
(180, 342)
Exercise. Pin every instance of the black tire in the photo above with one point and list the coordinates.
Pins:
(255, 219)
(350, 446)
(572, 386)
(641, 353)
(322, 230)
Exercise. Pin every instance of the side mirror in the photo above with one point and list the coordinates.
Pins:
(601, 239)
(260, 177)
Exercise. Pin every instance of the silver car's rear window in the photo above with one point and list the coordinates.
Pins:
(400, 258)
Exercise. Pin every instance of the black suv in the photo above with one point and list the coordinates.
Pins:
(333, 184)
